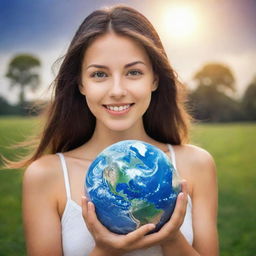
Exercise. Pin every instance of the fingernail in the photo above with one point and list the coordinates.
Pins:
(151, 226)
(90, 205)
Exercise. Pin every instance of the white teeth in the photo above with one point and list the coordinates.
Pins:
(120, 108)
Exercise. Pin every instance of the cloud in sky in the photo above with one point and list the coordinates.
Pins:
(45, 28)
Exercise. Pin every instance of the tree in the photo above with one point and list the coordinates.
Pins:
(210, 105)
(23, 72)
(249, 101)
(5, 107)
(210, 101)
(216, 75)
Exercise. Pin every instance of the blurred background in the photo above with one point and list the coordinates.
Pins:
(211, 44)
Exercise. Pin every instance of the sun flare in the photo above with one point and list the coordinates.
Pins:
(180, 21)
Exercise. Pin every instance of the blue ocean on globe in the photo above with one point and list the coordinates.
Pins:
(132, 183)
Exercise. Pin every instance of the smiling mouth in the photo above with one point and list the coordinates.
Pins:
(118, 108)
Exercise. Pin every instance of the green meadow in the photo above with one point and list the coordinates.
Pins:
(233, 147)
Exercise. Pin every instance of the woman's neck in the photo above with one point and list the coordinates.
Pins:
(104, 137)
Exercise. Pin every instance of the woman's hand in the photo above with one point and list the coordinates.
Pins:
(171, 230)
(107, 241)
(119, 244)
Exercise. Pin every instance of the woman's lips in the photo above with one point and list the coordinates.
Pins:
(118, 109)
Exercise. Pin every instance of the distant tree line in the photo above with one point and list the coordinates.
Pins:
(210, 101)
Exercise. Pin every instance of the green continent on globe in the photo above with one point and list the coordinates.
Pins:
(113, 176)
(144, 212)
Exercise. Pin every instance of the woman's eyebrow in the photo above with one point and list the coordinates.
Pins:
(134, 63)
(126, 66)
(97, 66)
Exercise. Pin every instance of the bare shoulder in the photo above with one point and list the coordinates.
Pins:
(43, 171)
(195, 164)
(195, 156)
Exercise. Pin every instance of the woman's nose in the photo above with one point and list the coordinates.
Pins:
(117, 88)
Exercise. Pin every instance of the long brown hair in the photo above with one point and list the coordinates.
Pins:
(69, 122)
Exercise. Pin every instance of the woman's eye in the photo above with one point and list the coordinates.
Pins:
(135, 73)
(98, 74)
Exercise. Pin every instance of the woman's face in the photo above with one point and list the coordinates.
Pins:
(117, 81)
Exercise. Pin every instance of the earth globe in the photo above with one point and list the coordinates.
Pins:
(132, 183)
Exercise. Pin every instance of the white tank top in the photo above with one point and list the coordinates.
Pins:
(76, 238)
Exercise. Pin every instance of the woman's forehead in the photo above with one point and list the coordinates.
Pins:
(115, 48)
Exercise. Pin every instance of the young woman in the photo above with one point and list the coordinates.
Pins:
(115, 83)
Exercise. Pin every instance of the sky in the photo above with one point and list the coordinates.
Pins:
(193, 33)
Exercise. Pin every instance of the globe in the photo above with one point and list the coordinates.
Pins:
(132, 183)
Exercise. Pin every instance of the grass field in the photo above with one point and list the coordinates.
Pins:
(233, 147)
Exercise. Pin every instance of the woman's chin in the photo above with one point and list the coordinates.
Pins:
(119, 126)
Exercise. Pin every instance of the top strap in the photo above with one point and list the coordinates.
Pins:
(173, 158)
(65, 173)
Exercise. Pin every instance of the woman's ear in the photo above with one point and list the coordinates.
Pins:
(155, 83)
(81, 87)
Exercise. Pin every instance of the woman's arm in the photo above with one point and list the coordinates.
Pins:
(40, 211)
(204, 209)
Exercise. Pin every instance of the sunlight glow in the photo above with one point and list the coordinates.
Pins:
(181, 21)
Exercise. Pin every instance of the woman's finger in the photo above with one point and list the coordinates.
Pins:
(139, 233)
(178, 215)
(180, 209)
(84, 207)
(184, 186)
(93, 221)
(85, 213)
(181, 205)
